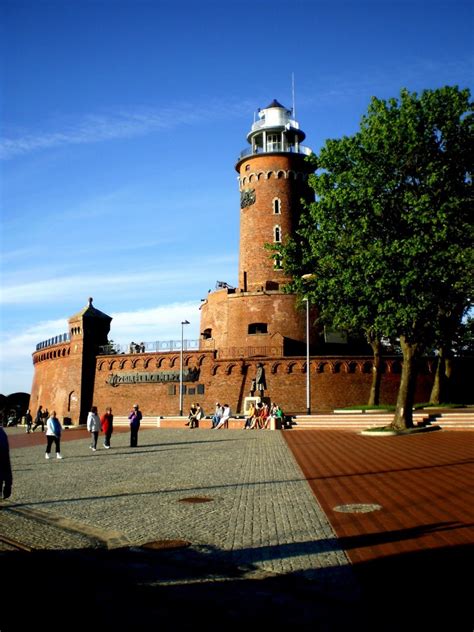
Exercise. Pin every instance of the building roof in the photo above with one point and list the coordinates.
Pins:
(89, 311)
(275, 104)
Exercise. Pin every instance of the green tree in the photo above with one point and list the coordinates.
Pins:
(389, 239)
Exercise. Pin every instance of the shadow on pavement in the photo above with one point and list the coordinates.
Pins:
(187, 588)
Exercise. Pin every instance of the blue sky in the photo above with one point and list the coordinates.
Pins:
(121, 122)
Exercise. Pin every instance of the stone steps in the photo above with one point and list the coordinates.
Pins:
(360, 421)
(357, 420)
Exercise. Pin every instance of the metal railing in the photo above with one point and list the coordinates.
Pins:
(276, 148)
(157, 346)
(56, 340)
(263, 124)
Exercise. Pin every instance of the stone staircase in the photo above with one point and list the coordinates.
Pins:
(448, 419)
(358, 420)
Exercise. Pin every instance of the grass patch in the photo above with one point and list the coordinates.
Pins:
(388, 431)
(443, 405)
(382, 407)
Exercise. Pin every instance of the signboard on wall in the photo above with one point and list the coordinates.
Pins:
(116, 379)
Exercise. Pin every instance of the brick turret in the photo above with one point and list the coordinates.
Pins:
(65, 366)
(88, 330)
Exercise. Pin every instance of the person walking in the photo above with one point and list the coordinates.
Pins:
(6, 476)
(53, 435)
(39, 419)
(135, 418)
(28, 421)
(93, 426)
(106, 422)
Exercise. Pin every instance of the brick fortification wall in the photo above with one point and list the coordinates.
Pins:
(55, 384)
(335, 382)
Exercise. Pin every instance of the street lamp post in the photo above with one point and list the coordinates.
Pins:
(183, 322)
(307, 277)
(308, 371)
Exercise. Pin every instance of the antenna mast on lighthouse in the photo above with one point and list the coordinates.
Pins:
(293, 93)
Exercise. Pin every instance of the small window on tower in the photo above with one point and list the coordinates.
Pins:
(277, 234)
(258, 328)
(277, 206)
(206, 334)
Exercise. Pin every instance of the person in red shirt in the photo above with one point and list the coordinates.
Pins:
(106, 422)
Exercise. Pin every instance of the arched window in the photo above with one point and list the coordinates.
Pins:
(207, 333)
(277, 206)
(277, 234)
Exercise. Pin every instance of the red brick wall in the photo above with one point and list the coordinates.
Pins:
(229, 381)
(270, 176)
(228, 316)
(56, 381)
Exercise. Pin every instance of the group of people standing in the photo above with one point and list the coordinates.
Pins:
(94, 424)
(105, 423)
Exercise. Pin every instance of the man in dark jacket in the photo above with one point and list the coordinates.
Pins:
(134, 418)
(6, 478)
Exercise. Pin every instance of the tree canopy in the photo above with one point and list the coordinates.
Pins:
(389, 238)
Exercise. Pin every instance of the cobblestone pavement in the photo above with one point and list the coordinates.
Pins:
(190, 527)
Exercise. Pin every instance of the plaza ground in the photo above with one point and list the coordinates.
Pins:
(321, 529)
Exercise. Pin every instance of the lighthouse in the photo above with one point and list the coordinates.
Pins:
(273, 180)
(258, 317)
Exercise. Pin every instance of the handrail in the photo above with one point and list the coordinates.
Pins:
(56, 340)
(157, 346)
(277, 148)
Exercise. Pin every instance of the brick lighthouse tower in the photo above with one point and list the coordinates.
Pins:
(258, 315)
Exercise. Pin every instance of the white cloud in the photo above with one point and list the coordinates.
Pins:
(95, 284)
(16, 366)
(156, 324)
(95, 128)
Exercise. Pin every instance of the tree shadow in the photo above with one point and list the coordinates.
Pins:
(138, 589)
(189, 587)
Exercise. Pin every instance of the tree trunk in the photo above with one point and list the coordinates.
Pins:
(374, 397)
(448, 373)
(406, 393)
(437, 389)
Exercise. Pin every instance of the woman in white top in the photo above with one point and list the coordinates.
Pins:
(224, 420)
(53, 435)
(93, 426)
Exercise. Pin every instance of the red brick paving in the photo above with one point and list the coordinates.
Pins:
(420, 543)
(423, 482)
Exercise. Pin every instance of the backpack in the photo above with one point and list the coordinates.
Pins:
(56, 426)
